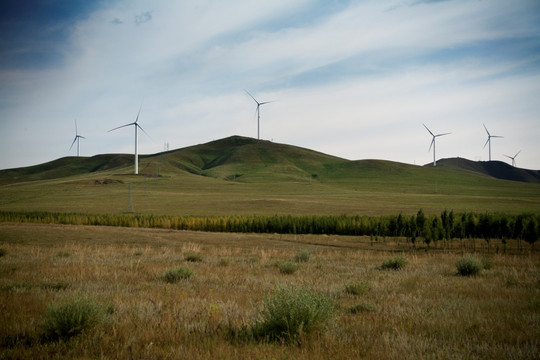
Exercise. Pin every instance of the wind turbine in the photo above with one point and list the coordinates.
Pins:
(513, 158)
(433, 143)
(137, 126)
(77, 139)
(258, 112)
(489, 140)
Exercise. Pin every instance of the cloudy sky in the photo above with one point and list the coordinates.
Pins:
(354, 79)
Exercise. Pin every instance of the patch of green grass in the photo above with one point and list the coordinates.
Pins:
(290, 313)
(193, 256)
(302, 256)
(358, 288)
(71, 318)
(287, 267)
(175, 275)
(395, 263)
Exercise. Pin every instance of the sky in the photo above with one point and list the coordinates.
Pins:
(353, 79)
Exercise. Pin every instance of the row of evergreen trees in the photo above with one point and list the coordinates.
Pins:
(429, 228)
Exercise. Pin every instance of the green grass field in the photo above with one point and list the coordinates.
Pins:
(424, 310)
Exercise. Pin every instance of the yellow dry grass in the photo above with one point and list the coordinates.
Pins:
(422, 311)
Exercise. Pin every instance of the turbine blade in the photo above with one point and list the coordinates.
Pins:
(267, 102)
(509, 157)
(82, 137)
(497, 136)
(442, 134)
(137, 119)
(486, 129)
(432, 142)
(428, 129)
(73, 143)
(122, 126)
(76, 130)
(515, 156)
(247, 92)
(486, 143)
(139, 126)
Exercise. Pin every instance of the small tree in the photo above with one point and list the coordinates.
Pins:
(531, 232)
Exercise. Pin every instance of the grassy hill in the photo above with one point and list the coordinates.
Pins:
(244, 176)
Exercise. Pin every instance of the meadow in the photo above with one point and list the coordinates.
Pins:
(422, 310)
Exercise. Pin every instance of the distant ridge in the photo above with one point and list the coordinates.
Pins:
(496, 169)
(245, 159)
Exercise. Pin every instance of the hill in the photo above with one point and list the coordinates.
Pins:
(245, 176)
(496, 169)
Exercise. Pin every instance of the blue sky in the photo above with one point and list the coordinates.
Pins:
(354, 79)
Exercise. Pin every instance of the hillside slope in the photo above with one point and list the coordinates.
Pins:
(496, 169)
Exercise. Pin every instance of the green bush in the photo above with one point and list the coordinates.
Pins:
(358, 288)
(224, 261)
(291, 313)
(63, 321)
(175, 275)
(468, 266)
(302, 256)
(193, 256)
(287, 267)
(395, 263)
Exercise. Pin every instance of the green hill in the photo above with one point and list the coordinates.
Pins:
(239, 175)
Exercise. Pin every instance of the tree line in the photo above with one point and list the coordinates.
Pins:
(419, 227)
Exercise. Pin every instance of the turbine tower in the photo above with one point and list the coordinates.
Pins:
(77, 139)
(513, 158)
(433, 143)
(258, 112)
(489, 140)
(136, 126)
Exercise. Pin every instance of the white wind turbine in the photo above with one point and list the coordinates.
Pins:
(489, 140)
(137, 126)
(258, 112)
(77, 139)
(513, 158)
(433, 143)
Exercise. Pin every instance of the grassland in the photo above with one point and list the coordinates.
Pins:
(257, 178)
(424, 310)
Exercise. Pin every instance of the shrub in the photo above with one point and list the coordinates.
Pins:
(358, 288)
(468, 265)
(175, 275)
(395, 263)
(287, 267)
(291, 313)
(63, 321)
(224, 261)
(2, 252)
(302, 256)
(193, 256)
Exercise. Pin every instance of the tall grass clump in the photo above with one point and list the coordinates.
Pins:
(174, 275)
(68, 319)
(395, 263)
(193, 256)
(287, 267)
(302, 256)
(291, 313)
(469, 265)
(358, 288)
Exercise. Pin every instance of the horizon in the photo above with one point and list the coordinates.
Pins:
(355, 80)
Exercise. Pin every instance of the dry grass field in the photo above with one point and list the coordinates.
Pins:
(424, 310)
